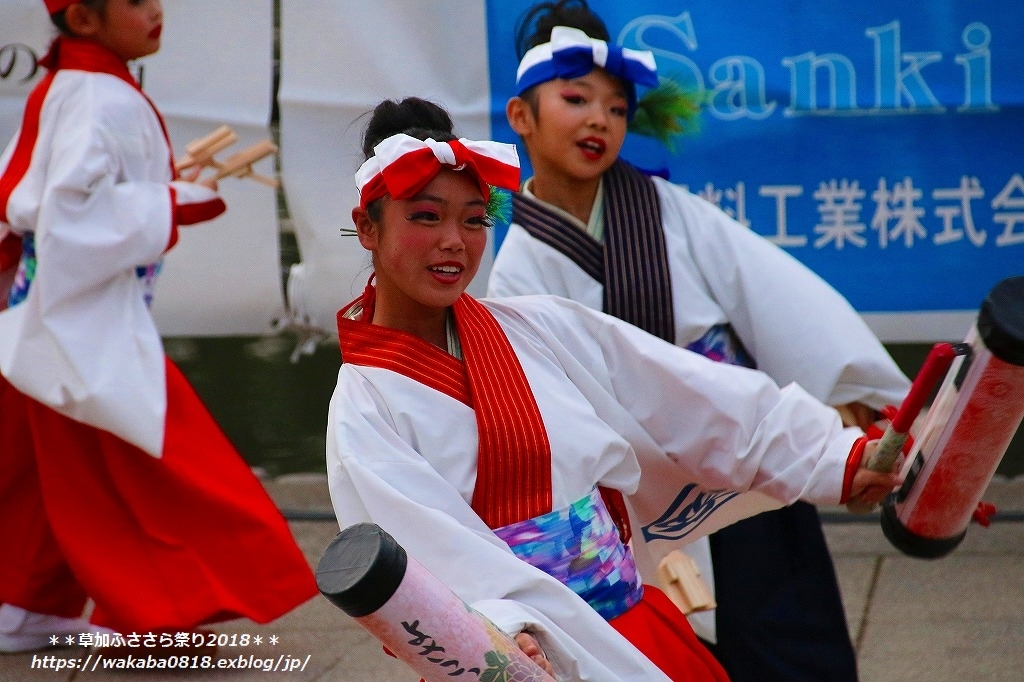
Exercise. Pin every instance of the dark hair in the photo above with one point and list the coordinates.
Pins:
(60, 20)
(413, 116)
(534, 28)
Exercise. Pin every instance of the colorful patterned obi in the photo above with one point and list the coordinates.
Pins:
(147, 275)
(26, 270)
(721, 344)
(579, 545)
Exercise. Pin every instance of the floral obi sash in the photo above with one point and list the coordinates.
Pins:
(26, 271)
(579, 546)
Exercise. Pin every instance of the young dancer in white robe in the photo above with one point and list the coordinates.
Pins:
(480, 433)
(115, 482)
(724, 291)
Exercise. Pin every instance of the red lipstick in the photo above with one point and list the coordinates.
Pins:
(593, 148)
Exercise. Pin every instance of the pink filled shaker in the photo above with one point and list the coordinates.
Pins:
(369, 576)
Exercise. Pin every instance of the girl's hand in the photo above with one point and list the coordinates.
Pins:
(528, 643)
(209, 182)
(870, 487)
(857, 414)
(192, 174)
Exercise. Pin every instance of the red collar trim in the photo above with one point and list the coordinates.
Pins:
(20, 160)
(371, 345)
(513, 481)
(514, 455)
(85, 55)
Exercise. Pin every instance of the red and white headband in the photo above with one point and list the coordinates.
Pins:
(402, 165)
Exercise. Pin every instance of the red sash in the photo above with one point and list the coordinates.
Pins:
(514, 456)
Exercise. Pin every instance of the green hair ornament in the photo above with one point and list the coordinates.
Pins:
(667, 111)
(499, 206)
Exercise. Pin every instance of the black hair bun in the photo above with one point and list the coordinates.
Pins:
(413, 116)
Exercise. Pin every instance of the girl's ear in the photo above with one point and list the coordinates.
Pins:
(366, 229)
(83, 21)
(520, 116)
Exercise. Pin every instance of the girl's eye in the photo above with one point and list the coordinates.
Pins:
(574, 99)
(480, 221)
(424, 217)
(620, 111)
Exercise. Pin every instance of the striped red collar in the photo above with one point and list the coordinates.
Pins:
(514, 455)
(371, 345)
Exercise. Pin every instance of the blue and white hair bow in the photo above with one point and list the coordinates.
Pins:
(571, 53)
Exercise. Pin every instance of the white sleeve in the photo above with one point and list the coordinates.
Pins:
(796, 325)
(376, 477)
(96, 355)
(92, 221)
(728, 427)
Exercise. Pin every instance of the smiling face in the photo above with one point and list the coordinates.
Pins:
(426, 250)
(129, 28)
(578, 128)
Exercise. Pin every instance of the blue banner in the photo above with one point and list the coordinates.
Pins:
(879, 142)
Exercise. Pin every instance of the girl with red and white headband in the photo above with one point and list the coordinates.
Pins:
(116, 484)
(495, 439)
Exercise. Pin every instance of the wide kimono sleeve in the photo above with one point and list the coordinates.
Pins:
(377, 476)
(95, 206)
(796, 325)
(726, 427)
(97, 197)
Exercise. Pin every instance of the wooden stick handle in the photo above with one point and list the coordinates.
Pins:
(240, 164)
(884, 458)
(681, 581)
(201, 151)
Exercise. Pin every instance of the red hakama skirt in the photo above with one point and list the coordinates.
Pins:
(661, 632)
(159, 544)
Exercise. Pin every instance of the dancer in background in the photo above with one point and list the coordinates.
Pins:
(116, 484)
(486, 436)
(590, 227)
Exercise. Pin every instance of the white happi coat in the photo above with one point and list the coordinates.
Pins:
(623, 409)
(97, 196)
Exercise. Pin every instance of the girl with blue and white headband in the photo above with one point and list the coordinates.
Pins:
(590, 227)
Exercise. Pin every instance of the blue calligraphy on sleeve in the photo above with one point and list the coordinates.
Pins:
(691, 507)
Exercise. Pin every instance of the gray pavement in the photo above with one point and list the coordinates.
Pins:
(952, 619)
